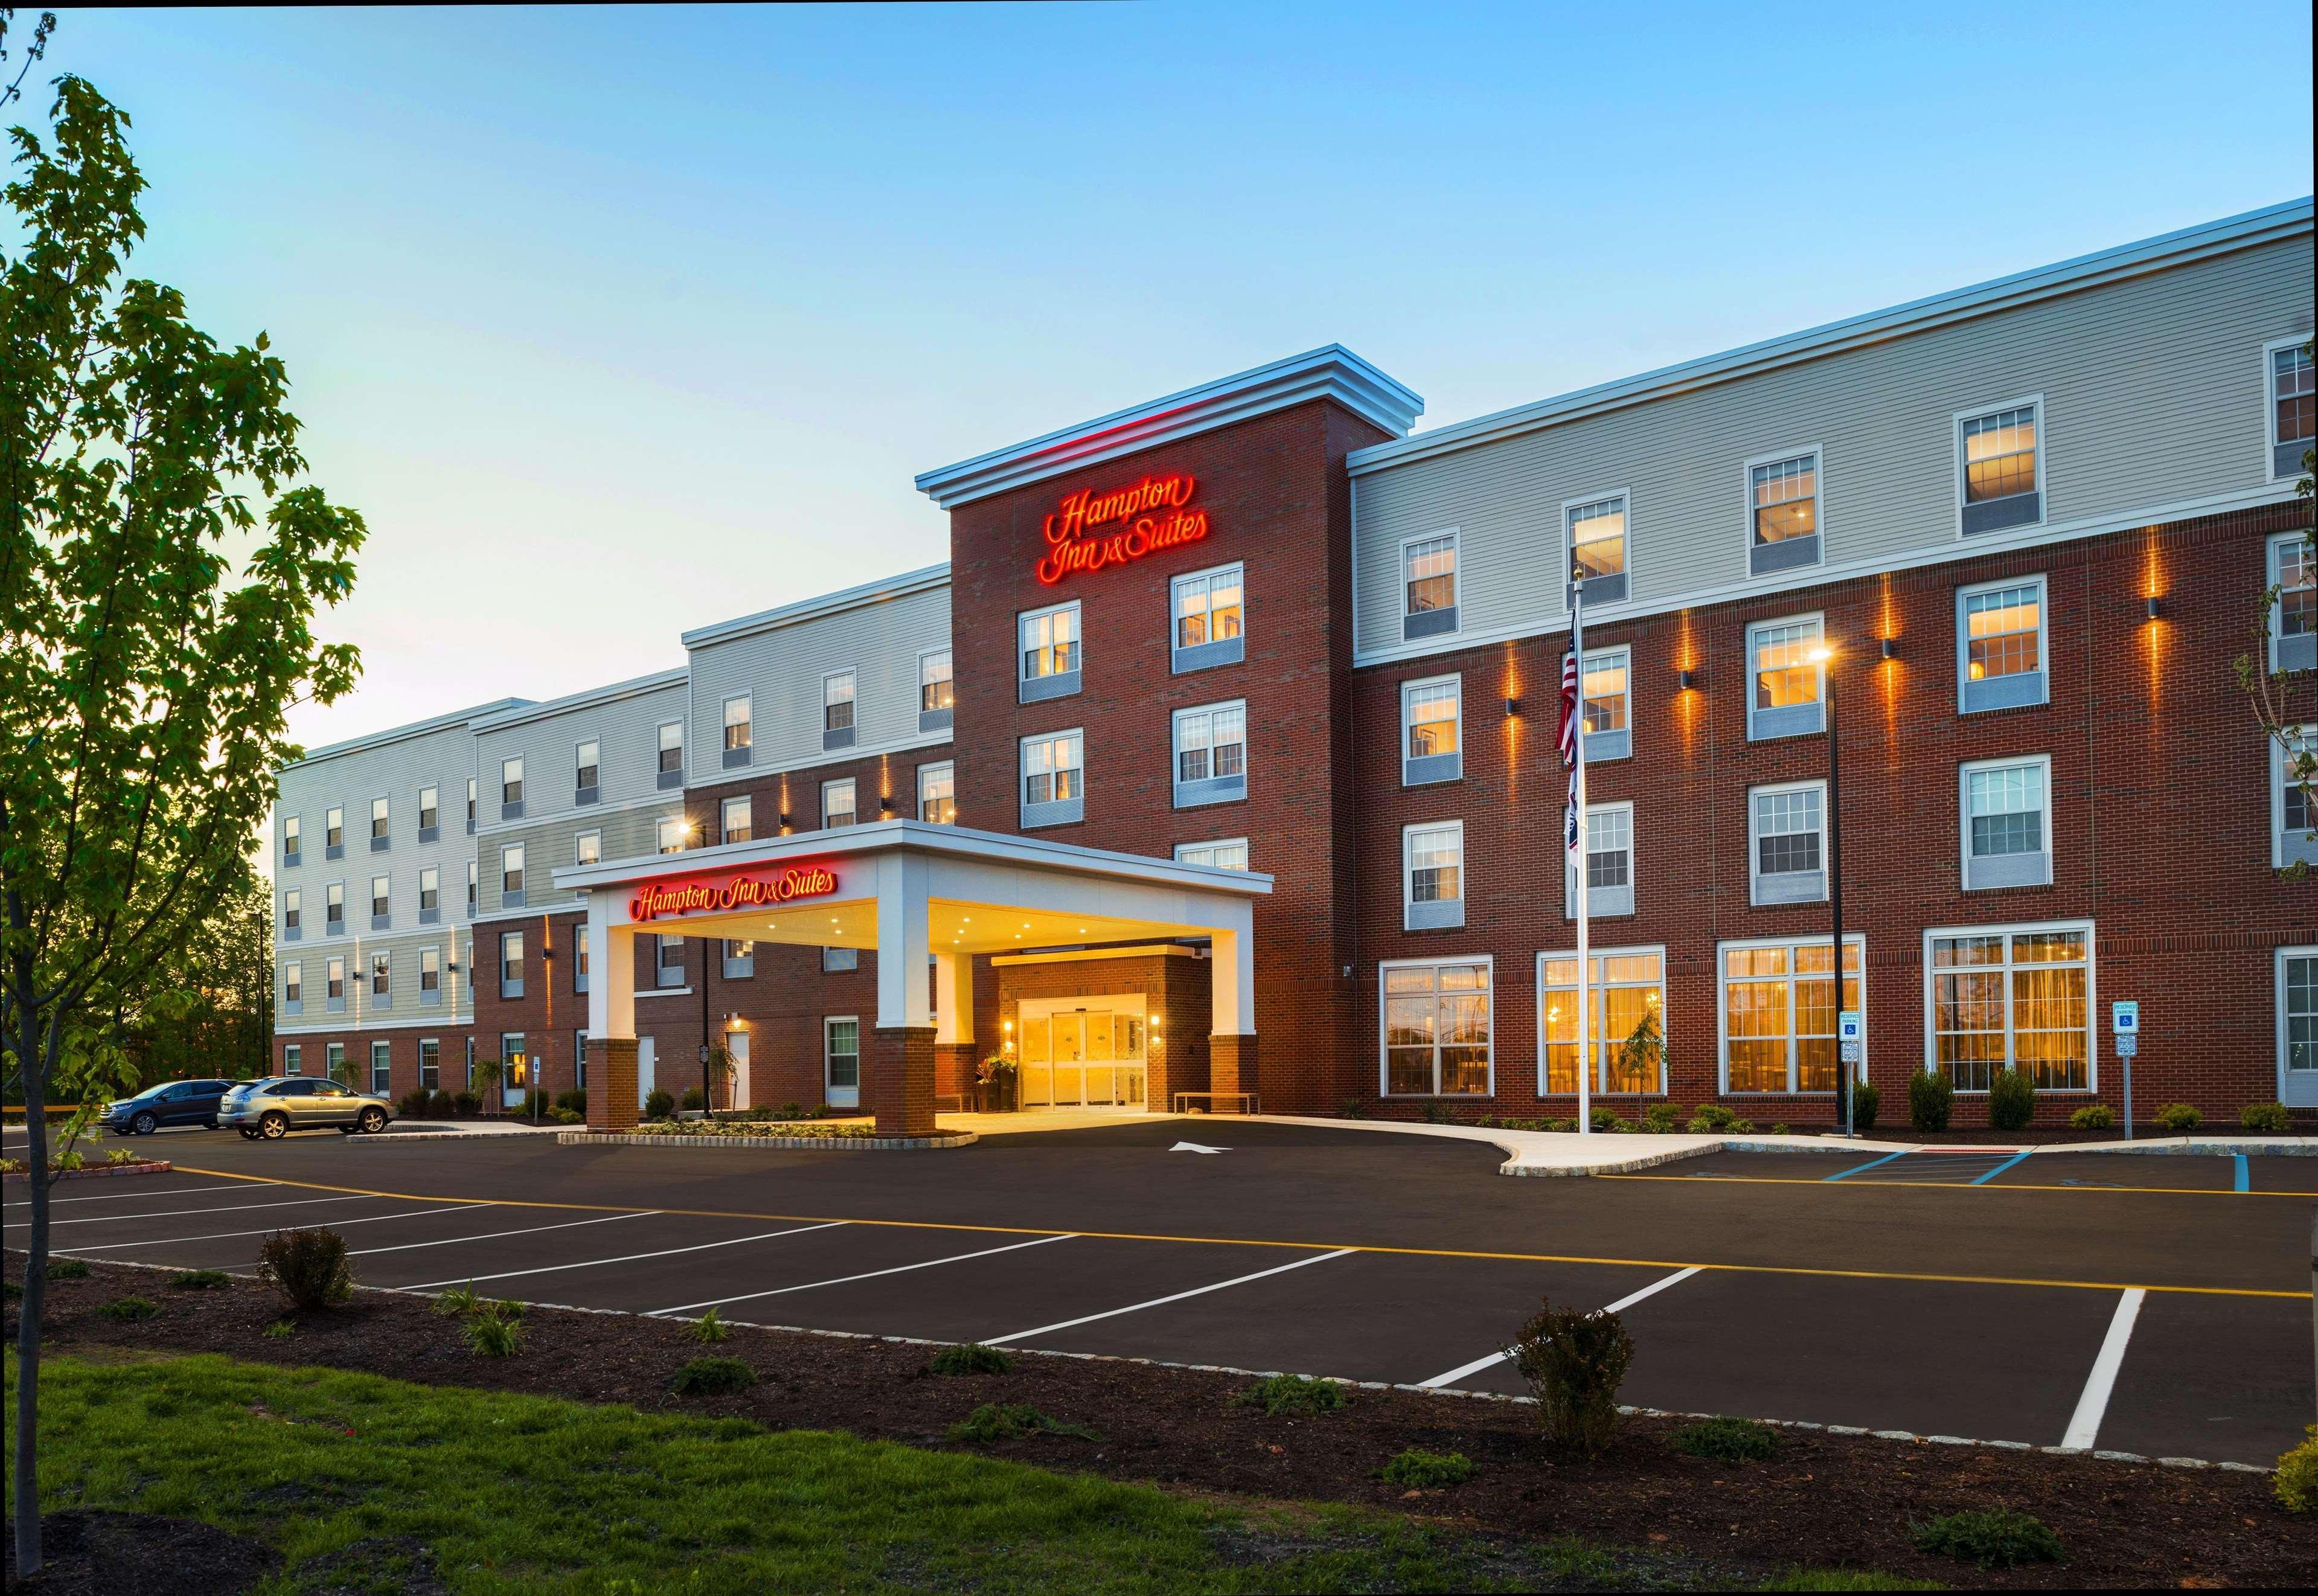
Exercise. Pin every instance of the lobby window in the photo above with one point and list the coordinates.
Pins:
(290, 911)
(1786, 686)
(334, 909)
(2008, 823)
(431, 814)
(587, 771)
(1209, 614)
(2000, 468)
(1779, 1014)
(381, 904)
(1606, 686)
(430, 894)
(511, 876)
(1786, 842)
(511, 788)
(292, 839)
(736, 819)
(740, 960)
(937, 794)
(668, 961)
(333, 984)
(334, 832)
(671, 753)
(475, 888)
(381, 979)
(1433, 875)
(1625, 1008)
(2294, 622)
(668, 835)
(1048, 648)
(382, 1073)
(382, 824)
(587, 848)
(510, 964)
(430, 1065)
(293, 985)
(937, 693)
(1609, 864)
(2297, 1024)
(1053, 779)
(2292, 406)
(2000, 652)
(430, 975)
(1210, 754)
(2292, 817)
(1436, 1029)
(1782, 513)
(2012, 997)
(838, 693)
(1428, 586)
(1431, 730)
(1229, 854)
(1597, 547)
(836, 802)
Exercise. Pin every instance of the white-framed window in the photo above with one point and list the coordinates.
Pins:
(578, 1060)
(1208, 618)
(2007, 822)
(2294, 618)
(938, 793)
(1779, 1010)
(292, 842)
(381, 979)
(1625, 1012)
(293, 982)
(430, 1064)
(511, 871)
(1605, 685)
(1782, 512)
(1047, 647)
(841, 1053)
(293, 1060)
(381, 820)
(382, 1068)
(2297, 1026)
(382, 900)
(1609, 864)
(510, 964)
(516, 1056)
(937, 692)
(736, 819)
(2002, 657)
(334, 1060)
(740, 958)
(292, 913)
(837, 703)
(1227, 853)
(2292, 404)
(739, 717)
(1435, 1028)
(2011, 996)
(430, 970)
(334, 982)
(668, 835)
(334, 826)
(587, 848)
(671, 749)
(1431, 730)
(1786, 843)
(579, 957)
(472, 788)
(2000, 466)
(1053, 778)
(1786, 688)
(1428, 585)
(1210, 750)
(1596, 531)
(836, 802)
(334, 909)
(1432, 875)
(430, 812)
(2292, 817)
(588, 768)
(430, 890)
(511, 781)
(474, 887)
(667, 960)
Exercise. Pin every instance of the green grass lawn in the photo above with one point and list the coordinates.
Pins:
(531, 1494)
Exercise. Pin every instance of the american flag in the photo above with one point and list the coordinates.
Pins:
(1569, 729)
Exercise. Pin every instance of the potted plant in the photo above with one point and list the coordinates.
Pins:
(994, 1085)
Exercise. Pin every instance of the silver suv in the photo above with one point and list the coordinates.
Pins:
(272, 1108)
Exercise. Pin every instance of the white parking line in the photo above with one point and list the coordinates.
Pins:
(175, 1191)
(494, 1235)
(2084, 1425)
(114, 1218)
(230, 1235)
(1198, 1291)
(630, 1258)
(1495, 1358)
(872, 1275)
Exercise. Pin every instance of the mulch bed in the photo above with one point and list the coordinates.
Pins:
(101, 1171)
(1824, 1500)
(93, 1554)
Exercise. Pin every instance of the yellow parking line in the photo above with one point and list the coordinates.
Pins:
(1522, 1257)
(1960, 1185)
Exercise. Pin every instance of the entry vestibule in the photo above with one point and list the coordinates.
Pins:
(1084, 1052)
(919, 894)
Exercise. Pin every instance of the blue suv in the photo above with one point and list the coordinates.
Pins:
(173, 1103)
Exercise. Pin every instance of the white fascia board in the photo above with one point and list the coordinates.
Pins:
(1333, 372)
(880, 591)
(416, 728)
(592, 698)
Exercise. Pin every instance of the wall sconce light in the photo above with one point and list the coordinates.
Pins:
(886, 805)
(2156, 609)
(785, 820)
(1891, 648)
(1513, 709)
(1684, 680)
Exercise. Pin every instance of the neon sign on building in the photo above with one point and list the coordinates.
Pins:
(1092, 530)
(735, 892)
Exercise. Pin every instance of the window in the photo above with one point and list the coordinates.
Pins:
(518, 1059)
(1053, 779)
(668, 835)
(381, 1074)
(430, 894)
(1606, 685)
(334, 909)
(841, 1060)
(1228, 855)
(669, 961)
(2018, 998)
(1433, 875)
(740, 960)
(587, 771)
(510, 964)
(1609, 864)
(2292, 423)
(430, 973)
(1436, 1029)
(334, 832)
(333, 984)
(937, 794)
(474, 889)
(1785, 836)
(334, 1060)
(430, 816)
(1999, 471)
(382, 824)
(1782, 513)
(837, 958)
(293, 985)
(511, 875)
(836, 802)
(1788, 684)
(381, 979)
(937, 693)
(2000, 662)
(470, 806)
(580, 957)
(290, 911)
(1208, 619)
(380, 890)
(293, 1059)
(292, 842)
(1625, 1013)
(671, 753)
(2293, 623)
(511, 788)
(2008, 823)
(1433, 727)
(579, 1060)
(1779, 1014)
(430, 1065)
(734, 818)
(2292, 817)
(1048, 647)
(587, 848)
(837, 707)
(737, 730)
(1428, 586)
(1210, 754)
(1597, 547)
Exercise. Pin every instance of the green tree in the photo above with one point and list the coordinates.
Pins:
(218, 1018)
(144, 677)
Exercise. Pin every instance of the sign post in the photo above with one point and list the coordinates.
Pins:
(2125, 1022)
(1851, 1046)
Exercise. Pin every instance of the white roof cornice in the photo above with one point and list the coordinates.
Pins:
(520, 713)
(416, 728)
(805, 609)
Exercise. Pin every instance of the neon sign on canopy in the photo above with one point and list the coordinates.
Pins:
(1092, 530)
(732, 892)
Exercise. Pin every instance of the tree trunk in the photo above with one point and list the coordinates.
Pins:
(27, 1504)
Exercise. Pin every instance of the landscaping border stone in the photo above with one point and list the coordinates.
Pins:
(100, 1171)
(948, 1139)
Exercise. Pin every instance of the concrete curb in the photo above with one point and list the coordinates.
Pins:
(390, 1138)
(100, 1172)
(774, 1143)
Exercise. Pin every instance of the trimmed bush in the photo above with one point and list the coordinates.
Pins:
(1605, 1121)
(2178, 1118)
(131, 1307)
(1660, 1117)
(1931, 1099)
(66, 1268)
(309, 1269)
(1575, 1363)
(200, 1280)
(577, 1102)
(1726, 1440)
(1009, 1422)
(1994, 1538)
(2012, 1100)
(1293, 1393)
(1865, 1099)
(706, 1377)
(2093, 1116)
(2295, 1483)
(492, 1335)
(1436, 1112)
(693, 1100)
(658, 1104)
(1712, 1116)
(441, 1105)
(411, 1105)
(2263, 1116)
(1419, 1470)
(467, 1105)
(971, 1359)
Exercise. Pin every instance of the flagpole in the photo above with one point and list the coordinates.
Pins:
(1576, 842)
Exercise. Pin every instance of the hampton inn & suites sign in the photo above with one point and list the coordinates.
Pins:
(1091, 530)
(743, 891)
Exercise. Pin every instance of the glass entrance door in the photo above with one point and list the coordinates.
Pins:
(1084, 1058)
(1069, 1057)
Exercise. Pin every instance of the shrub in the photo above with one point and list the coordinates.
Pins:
(121, 1155)
(1658, 1117)
(131, 1307)
(281, 1329)
(200, 1280)
(309, 1269)
(13, 1167)
(1436, 1112)
(1994, 1538)
(2178, 1118)
(705, 1377)
(1865, 1099)
(1293, 1393)
(1419, 1470)
(441, 1105)
(2093, 1116)
(693, 1100)
(1605, 1121)
(1726, 1440)
(411, 1105)
(1575, 1362)
(66, 1268)
(1353, 1110)
(459, 1299)
(577, 1102)
(67, 1161)
(993, 1422)
(466, 1105)
(2012, 1100)
(792, 1111)
(1779, 1128)
(1931, 1099)
(566, 1116)
(658, 1104)
(2263, 1116)
(492, 1335)
(2295, 1483)
(972, 1358)
(709, 1327)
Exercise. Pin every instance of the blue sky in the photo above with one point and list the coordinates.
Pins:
(615, 323)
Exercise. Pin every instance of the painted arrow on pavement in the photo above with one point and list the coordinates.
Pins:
(1195, 1147)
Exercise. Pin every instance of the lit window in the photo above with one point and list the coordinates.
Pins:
(736, 819)
(380, 975)
(1048, 649)
(668, 835)
(511, 870)
(1210, 754)
(1428, 580)
(1787, 683)
(1779, 1014)
(1436, 1029)
(740, 960)
(2008, 823)
(1432, 725)
(518, 1059)
(2293, 406)
(2293, 815)
(1782, 509)
(669, 961)
(836, 802)
(1786, 842)
(1433, 875)
(1597, 547)
(1625, 1013)
(1053, 779)
(2294, 621)
(2012, 997)
(380, 824)
(1998, 462)
(2001, 645)
(1606, 688)
(587, 848)
(937, 794)
(588, 769)
(736, 724)
(1609, 862)
(1208, 619)
(837, 702)
(1230, 854)
(937, 693)
(428, 816)
(511, 780)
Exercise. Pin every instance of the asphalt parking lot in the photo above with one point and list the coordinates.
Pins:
(2153, 1304)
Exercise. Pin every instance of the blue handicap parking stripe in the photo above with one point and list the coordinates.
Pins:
(2001, 1169)
(2244, 1174)
(1870, 1164)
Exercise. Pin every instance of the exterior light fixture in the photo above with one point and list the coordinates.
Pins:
(1513, 709)
(884, 805)
(1684, 680)
(1891, 648)
(785, 820)
(2156, 607)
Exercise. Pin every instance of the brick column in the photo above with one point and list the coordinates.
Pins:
(1231, 1063)
(899, 1090)
(612, 1094)
(954, 1064)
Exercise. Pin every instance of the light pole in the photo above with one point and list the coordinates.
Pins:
(1825, 658)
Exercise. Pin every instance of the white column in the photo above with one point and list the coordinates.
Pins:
(903, 941)
(611, 970)
(954, 998)
(1232, 953)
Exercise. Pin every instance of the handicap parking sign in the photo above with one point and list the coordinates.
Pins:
(1850, 1026)
(2125, 1017)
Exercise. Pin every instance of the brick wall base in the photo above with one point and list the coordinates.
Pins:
(900, 1088)
(612, 1083)
(1231, 1063)
(954, 1064)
